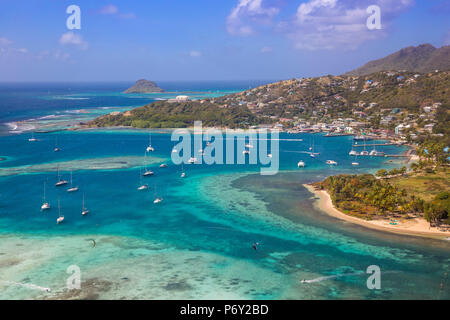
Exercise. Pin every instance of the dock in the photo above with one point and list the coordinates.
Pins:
(374, 145)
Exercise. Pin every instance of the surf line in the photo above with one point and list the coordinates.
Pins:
(27, 285)
(339, 276)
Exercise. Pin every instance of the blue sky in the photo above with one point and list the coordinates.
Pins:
(207, 39)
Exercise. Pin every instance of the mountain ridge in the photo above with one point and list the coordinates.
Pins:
(422, 58)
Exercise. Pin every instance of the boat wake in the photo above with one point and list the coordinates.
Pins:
(27, 285)
(320, 279)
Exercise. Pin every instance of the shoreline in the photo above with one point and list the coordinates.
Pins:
(412, 227)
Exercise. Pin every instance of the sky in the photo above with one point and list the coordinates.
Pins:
(179, 40)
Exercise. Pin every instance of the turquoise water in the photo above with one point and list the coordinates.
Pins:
(197, 243)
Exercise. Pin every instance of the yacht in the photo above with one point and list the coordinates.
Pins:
(32, 139)
(147, 172)
(150, 148)
(57, 149)
(301, 164)
(248, 145)
(45, 205)
(269, 155)
(364, 153)
(157, 199)
(246, 152)
(183, 174)
(72, 188)
(355, 164)
(192, 160)
(332, 162)
(84, 211)
(60, 218)
(373, 152)
(142, 186)
(60, 182)
(163, 165)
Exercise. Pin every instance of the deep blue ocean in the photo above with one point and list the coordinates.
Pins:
(197, 243)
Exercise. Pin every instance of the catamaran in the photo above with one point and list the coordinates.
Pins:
(60, 182)
(60, 218)
(72, 188)
(84, 211)
(45, 205)
(150, 148)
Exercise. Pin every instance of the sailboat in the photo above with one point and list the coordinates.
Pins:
(60, 182)
(183, 174)
(150, 148)
(332, 162)
(157, 199)
(57, 149)
(72, 188)
(312, 153)
(353, 152)
(32, 139)
(45, 205)
(142, 186)
(84, 211)
(147, 172)
(60, 218)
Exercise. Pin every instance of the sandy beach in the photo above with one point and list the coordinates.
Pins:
(416, 227)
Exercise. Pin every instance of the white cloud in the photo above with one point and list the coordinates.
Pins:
(4, 42)
(113, 10)
(71, 38)
(195, 53)
(266, 49)
(109, 9)
(248, 13)
(330, 24)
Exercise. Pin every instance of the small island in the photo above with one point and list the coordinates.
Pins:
(144, 86)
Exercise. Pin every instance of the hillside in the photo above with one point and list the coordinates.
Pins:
(423, 58)
(312, 99)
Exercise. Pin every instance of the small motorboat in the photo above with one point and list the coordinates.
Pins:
(301, 164)
(163, 165)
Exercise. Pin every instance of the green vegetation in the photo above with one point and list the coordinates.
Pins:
(367, 197)
(179, 115)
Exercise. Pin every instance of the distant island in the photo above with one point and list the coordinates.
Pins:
(144, 86)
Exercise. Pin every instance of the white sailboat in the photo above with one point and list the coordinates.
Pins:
(61, 182)
(84, 211)
(72, 188)
(142, 186)
(147, 172)
(57, 149)
(365, 152)
(183, 174)
(150, 148)
(157, 199)
(332, 163)
(60, 218)
(32, 139)
(45, 204)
